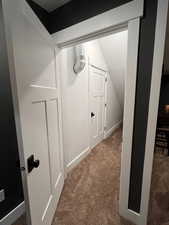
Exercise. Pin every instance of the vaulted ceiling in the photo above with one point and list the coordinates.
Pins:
(51, 5)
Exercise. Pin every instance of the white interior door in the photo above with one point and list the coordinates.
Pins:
(33, 74)
(97, 105)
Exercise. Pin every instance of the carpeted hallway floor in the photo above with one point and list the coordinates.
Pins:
(91, 190)
(159, 198)
(90, 195)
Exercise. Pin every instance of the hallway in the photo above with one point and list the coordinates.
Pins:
(90, 194)
(91, 190)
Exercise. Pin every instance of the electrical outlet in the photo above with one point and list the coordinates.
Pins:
(2, 195)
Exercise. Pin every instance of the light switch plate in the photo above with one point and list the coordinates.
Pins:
(2, 195)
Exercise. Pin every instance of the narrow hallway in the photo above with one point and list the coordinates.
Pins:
(91, 191)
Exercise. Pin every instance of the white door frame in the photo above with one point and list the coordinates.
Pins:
(127, 15)
(159, 48)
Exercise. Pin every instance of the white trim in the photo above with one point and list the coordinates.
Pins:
(98, 68)
(128, 120)
(99, 24)
(78, 159)
(153, 105)
(13, 215)
(58, 78)
(112, 130)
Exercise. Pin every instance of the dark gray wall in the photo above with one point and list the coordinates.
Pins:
(145, 60)
(73, 12)
(10, 177)
(77, 11)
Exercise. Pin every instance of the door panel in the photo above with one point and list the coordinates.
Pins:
(32, 56)
(53, 126)
(39, 194)
(97, 103)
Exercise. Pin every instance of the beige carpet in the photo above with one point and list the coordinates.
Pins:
(159, 198)
(91, 191)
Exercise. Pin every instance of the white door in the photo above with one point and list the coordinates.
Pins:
(97, 105)
(33, 72)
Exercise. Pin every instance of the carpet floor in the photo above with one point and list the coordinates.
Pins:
(159, 197)
(91, 191)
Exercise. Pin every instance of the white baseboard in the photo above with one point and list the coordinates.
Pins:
(112, 130)
(13, 215)
(77, 160)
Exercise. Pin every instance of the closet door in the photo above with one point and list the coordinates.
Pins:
(34, 78)
(97, 105)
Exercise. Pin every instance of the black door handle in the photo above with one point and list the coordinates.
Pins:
(92, 114)
(32, 163)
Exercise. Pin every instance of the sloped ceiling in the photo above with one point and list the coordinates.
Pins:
(50, 5)
(114, 49)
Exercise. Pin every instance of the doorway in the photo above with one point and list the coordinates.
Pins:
(93, 99)
(93, 105)
(43, 90)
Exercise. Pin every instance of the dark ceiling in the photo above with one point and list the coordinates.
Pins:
(73, 12)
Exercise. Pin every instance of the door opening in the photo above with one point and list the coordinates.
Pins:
(37, 99)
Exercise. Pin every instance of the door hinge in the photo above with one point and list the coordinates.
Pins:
(105, 104)
(106, 79)
(2, 195)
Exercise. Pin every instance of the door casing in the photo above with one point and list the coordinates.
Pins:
(114, 20)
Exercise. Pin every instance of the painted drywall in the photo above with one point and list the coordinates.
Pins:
(75, 101)
(74, 107)
(116, 60)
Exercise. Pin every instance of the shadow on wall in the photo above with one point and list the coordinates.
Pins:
(114, 48)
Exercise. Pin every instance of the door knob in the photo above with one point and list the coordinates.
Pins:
(32, 163)
(92, 114)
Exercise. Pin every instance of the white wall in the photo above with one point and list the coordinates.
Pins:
(114, 111)
(75, 107)
(116, 60)
(75, 101)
